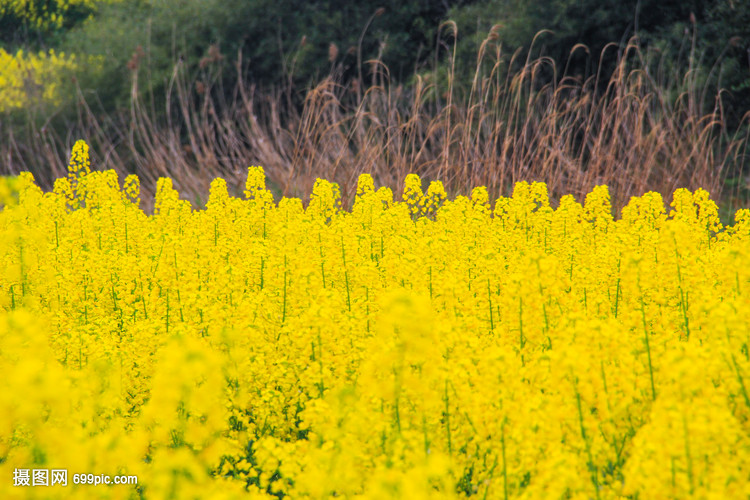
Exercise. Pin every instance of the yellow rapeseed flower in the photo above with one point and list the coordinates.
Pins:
(417, 348)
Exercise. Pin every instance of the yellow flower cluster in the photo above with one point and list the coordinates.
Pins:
(419, 203)
(8, 191)
(407, 349)
(45, 15)
(28, 78)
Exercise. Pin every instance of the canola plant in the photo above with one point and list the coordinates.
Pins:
(422, 348)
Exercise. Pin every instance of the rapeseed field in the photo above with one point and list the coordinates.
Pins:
(411, 347)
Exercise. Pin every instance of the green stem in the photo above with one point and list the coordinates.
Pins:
(322, 261)
(262, 265)
(592, 468)
(489, 299)
(179, 301)
(741, 380)
(522, 340)
(448, 419)
(505, 461)
(346, 276)
(283, 313)
(431, 283)
(617, 297)
(648, 349)
(167, 311)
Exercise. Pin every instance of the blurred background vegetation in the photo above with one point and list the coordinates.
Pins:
(138, 51)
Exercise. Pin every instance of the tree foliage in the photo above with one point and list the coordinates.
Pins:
(712, 38)
(295, 42)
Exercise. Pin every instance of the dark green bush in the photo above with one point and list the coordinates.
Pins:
(282, 41)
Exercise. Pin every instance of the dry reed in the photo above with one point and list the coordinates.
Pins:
(569, 131)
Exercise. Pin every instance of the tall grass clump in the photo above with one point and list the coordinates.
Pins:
(640, 129)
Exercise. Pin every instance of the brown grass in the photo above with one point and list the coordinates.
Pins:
(642, 130)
